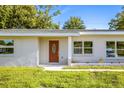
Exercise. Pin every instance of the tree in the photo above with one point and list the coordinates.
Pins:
(17, 16)
(27, 17)
(74, 23)
(45, 16)
(118, 22)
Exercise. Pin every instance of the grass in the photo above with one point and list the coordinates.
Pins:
(29, 77)
(94, 67)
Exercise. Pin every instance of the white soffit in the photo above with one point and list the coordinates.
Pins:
(103, 33)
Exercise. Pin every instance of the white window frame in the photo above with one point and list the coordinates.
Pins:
(87, 48)
(116, 55)
(85, 54)
(112, 49)
(77, 48)
(119, 49)
(7, 47)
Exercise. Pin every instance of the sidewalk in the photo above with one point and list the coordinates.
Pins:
(90, 70)
(60, 68)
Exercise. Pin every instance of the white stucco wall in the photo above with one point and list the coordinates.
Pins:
(44, 49)
(25, 52)
(99, 47)
(32, 51)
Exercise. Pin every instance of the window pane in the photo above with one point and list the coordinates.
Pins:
(6, 42)
(120, 53)
(120, 45)
(110, 45)
(110, 53)
(77, 50)
(77, 44)
(88, 44)
(88, 51)
(6, 50)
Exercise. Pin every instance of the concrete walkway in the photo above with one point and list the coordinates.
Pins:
(53, 67)
(60, 68)
(90, 70)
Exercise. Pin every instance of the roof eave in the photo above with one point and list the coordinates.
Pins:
(101, 33)
(43, 34)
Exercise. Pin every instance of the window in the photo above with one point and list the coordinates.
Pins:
(120, 49)
(6, 46)
(115, 49)
(83, 47)
(77, 47)
(88, 47)
(110, 48)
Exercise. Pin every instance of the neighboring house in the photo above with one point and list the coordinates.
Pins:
(34, 47)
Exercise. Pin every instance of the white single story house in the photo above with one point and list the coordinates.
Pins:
(35, 47)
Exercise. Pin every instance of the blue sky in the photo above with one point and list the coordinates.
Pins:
(94, 17)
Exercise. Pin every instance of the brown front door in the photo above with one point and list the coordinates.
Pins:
(54, 51)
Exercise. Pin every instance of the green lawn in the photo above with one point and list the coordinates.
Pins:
(36, 77)
(94, 67)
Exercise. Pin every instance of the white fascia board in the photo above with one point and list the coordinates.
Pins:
(102, 33)
(39, 34)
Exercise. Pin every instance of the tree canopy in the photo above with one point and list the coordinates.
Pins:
(74, 23)
(117, 23)
(45, 15)
(25, 16)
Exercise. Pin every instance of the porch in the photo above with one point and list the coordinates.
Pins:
(55, 50)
